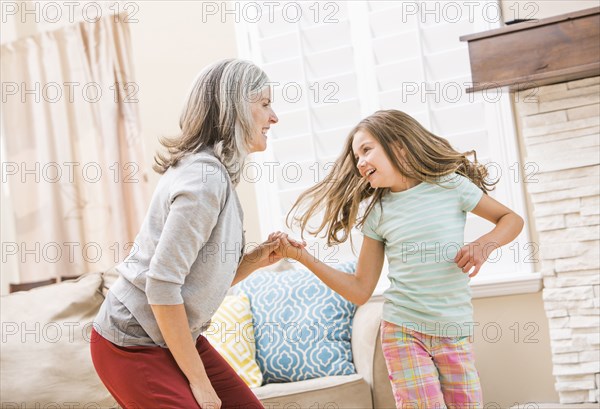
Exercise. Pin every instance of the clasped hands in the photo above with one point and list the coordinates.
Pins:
(277, 246)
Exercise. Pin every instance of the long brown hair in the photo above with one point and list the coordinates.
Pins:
(339, 195)
(217, 115)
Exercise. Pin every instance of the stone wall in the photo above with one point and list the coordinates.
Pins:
(559, 131)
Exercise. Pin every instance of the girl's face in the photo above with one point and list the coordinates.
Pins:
(263, 116)
(373, 164)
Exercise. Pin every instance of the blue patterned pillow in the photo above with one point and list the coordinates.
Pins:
(302, 327)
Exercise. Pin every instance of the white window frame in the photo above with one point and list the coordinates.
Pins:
(499, 117)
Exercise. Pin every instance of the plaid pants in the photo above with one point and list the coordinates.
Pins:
(430, 372)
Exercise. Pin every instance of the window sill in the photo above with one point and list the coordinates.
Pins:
(508, 284)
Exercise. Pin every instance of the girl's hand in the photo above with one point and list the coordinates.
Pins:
(294, 243)
(205, 395)
(264, 255)
(267, 253)
(290, 248)
(474, 255)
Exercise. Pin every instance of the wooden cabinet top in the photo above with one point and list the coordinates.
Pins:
(537, 52)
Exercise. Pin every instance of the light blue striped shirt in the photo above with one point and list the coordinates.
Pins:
(423, 229)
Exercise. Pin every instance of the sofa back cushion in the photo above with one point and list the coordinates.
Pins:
(45, 359)
(302, 327)
(231, 333)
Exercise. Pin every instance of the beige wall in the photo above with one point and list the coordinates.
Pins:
(515, 365)
(171, 45)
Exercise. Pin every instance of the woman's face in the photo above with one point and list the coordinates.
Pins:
(262, 116)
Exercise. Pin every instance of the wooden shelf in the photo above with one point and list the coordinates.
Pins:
(535, 53)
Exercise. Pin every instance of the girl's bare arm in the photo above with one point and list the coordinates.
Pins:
(508, 226)
(356, 288)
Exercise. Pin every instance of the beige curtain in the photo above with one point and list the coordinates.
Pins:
(73, 161)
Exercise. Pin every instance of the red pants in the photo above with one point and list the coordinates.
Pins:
(143, 377)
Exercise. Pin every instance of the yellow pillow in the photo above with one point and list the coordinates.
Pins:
(231, 333)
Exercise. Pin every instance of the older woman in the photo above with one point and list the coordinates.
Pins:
(146, 344)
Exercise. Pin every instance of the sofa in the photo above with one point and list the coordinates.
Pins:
(45, 360)
(368, 388)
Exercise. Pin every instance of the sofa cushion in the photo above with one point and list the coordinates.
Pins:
(45, 355)
(302, 327)
(231, 333)
(334, 392)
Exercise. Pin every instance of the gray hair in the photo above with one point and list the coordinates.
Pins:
(217, 115)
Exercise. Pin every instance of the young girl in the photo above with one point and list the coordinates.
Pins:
(418, 190)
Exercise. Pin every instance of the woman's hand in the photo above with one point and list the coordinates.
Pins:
(474, 255)
(286, 241)
(262, 256)
(289, 248)
(267, 253)
(206, 396)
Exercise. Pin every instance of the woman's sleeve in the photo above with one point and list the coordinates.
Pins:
(194, 210)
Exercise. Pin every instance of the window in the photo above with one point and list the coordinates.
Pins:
(334, 63)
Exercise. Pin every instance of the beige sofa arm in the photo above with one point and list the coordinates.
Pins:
(365, 330)
(367, 354)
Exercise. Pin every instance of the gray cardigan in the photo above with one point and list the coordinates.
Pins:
(187, 252)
